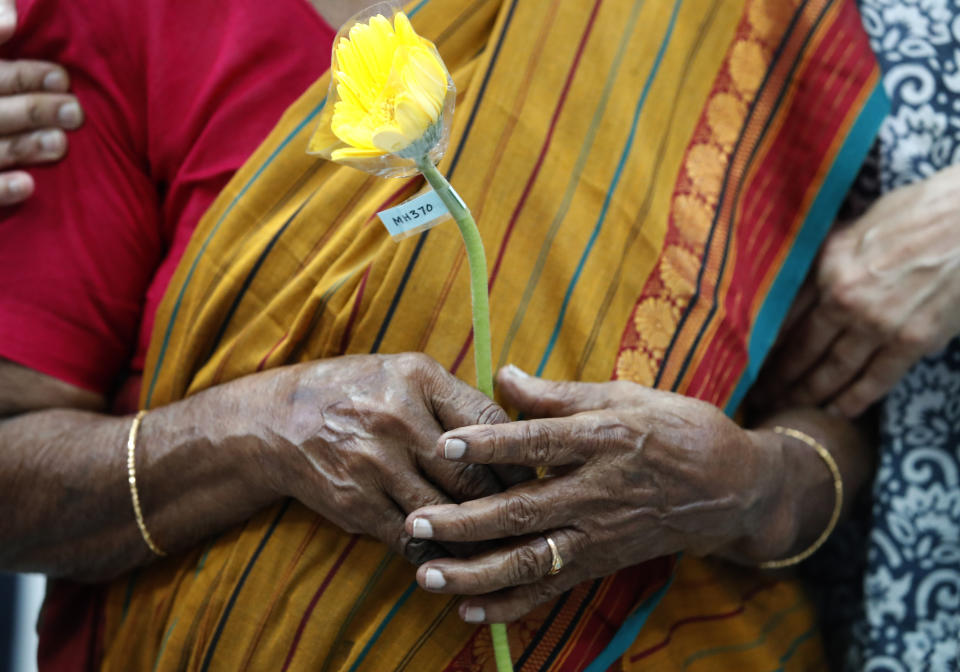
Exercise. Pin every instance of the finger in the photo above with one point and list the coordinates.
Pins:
(23, 76)
(840, 366)
(411, 492)
(529, 508)
(15, 186)
(389, 529)
(516, 564)
(39, 110)
(534, 443)
(510, 475)
(768, 389)
(455, 404)
(807, 342)
(540, 398)
(34, 147)
(452, 401)
(8, 19)
(883, 372)
(515, 603)
(419, 551)
(461, 482)
(803, 303)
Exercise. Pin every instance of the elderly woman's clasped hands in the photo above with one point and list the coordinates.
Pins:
(885, 292)
(632, 474)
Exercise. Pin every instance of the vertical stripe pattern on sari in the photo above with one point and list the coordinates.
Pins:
(646, 176)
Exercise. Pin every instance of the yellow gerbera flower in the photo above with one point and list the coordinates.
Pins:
(392, 87)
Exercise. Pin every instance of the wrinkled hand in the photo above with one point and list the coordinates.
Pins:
(34, 108)
(886, 292)
(636, 474)
(353, 438)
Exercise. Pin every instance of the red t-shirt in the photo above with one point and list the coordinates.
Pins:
(177, 94)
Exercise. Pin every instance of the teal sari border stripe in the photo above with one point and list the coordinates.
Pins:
(628, 632)
(812, 233)
(774, 309)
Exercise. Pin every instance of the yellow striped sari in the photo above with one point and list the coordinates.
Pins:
(651, 180)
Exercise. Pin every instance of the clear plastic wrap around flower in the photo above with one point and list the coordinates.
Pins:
(391, 97)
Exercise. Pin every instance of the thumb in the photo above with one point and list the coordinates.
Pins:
(539, 398)
(455, 404)
(8, 19)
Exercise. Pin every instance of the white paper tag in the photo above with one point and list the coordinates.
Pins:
(416, 215)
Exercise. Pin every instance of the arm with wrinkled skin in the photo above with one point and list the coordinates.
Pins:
(884, 292)
(351, 438)
(635, 474)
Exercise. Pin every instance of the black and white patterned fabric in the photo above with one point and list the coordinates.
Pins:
(910, 616)
(918, 45)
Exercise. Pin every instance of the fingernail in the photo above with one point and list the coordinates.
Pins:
(70, 115)
(55, 80)
(52, 142)
(454, 449)
(474, 615)
(422, 529)
(18, 186)
(515, 370)
(434, 579)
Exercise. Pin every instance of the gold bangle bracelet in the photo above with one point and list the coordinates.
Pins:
(837, 502)
(132, 478)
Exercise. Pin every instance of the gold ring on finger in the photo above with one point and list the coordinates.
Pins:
(556, 560)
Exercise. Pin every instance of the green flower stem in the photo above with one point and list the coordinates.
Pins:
(477, 261)
(501, 647)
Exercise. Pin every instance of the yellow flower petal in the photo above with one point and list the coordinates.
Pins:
(353, 94)
(352, 129)
(406, 35)
(392, 86)
(363, 42)
(383, 44)
(426, 67)
(412, 119)
(422, 85)
(348, 153)
(390, 139)
(349, 62)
